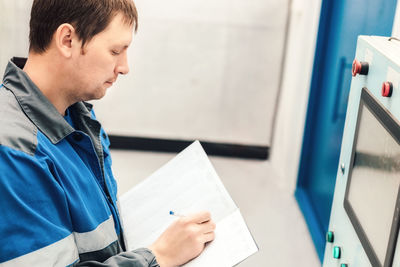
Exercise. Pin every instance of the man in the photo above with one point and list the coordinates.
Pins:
(57, 193)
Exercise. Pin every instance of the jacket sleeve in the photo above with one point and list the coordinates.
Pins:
(35, 223)
(138, 258)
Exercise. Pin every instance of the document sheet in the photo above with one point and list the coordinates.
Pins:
(187, 184)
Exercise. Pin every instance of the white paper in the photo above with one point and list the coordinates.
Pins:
(187, 184)
(233, 243)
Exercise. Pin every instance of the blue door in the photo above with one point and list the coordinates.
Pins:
(340, 23)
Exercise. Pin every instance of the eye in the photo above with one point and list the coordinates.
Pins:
(115, 53)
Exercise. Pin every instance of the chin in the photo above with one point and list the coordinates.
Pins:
(102, 93)
(99, 96)
(96, 96)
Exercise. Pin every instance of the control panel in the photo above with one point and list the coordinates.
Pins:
(365, 217)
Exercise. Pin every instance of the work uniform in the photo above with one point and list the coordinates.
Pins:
(58, 196)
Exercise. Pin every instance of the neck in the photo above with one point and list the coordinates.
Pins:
(45, 74)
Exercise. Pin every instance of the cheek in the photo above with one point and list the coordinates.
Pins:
(97, 69)
(96, 75)
(104, 67)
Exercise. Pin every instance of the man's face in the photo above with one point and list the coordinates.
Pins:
(104, 58)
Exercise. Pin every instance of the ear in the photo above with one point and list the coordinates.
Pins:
(65, 39)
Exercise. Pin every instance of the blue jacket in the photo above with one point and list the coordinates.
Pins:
(58, 196)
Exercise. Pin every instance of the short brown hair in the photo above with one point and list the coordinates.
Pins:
(89, 17)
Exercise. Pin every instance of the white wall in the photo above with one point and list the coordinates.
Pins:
(288, 134)
(14, 30)
(201, 69)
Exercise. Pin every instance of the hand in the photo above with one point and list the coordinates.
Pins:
(184, 239)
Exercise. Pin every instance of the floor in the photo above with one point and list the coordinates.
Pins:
(271, 212)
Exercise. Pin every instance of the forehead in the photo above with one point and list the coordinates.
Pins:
(117, 32)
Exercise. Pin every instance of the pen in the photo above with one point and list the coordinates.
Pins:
(171, 212)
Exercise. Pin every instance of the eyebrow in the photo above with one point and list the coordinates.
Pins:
(123, 47)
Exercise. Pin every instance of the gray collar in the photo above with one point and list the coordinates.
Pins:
(36, 106)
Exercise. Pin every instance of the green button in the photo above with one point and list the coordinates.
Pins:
(343, 265)
(336, 252)
(329, 237)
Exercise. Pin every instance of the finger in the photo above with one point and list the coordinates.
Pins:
(208, 237)
(208, 227)
(200, 217)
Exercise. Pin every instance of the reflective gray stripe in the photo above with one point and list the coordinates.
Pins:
(61, 253)
(66, 251)
(99, 238)
(12, 121)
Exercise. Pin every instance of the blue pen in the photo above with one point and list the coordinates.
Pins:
(175, 214)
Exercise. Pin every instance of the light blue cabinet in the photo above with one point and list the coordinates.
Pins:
(365, 215)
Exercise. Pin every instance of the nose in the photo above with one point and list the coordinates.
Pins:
(122, 65)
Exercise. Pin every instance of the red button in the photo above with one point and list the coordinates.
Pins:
(387, 89)
(359, 68)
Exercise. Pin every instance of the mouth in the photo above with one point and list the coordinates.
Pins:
(110, 82)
